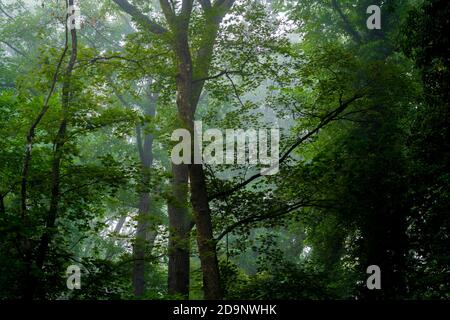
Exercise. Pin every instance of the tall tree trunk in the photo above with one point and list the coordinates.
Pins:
(55, 197)
(120, 224)
(180, 225)
(205, 240)
(140, 245)
(202, 214)
(144, 236)
(187, 99)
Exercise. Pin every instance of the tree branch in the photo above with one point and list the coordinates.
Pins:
(5, 13)
(258, 218)
(347, 25)
(140, 17)
(168, 11)
(31, 131)
(14, 49)
(325, 120)
(221, 73)
(203, 56)
(206, 4)
(236, 93)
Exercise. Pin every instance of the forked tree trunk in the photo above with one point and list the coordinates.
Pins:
(187, 98)
(202, 214)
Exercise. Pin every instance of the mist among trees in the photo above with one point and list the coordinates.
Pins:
(87, 114)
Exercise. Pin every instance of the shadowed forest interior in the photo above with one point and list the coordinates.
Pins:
(92, 91)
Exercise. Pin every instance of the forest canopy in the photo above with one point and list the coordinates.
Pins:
(224, 149)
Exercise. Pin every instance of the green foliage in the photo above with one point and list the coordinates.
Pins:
(370, 185)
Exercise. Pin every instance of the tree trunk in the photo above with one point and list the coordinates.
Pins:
(55, 197)
(117, 229)
(180, 225)
(187, 99)
(144, 236)
(205, 241)
(202, 214)
(140, 245)
(2, 205)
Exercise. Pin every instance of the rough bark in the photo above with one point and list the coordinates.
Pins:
(188, 94)
(199, 199)
(205, 240)
(180, 225)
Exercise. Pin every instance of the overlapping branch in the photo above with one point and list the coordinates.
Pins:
(325, 120)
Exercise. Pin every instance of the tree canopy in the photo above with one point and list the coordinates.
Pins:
(90, 99)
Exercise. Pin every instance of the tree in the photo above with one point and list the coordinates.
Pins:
(188, 94)
(86, 176)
